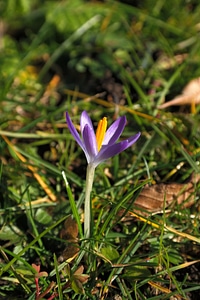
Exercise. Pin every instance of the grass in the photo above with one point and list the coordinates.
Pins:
(110, 59)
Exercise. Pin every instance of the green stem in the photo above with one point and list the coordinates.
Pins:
(88, 189)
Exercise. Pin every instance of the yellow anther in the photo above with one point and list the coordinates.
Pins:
(100, 133)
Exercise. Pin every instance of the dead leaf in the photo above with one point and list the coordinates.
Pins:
(70, 230)
(190, 95)
(51, 90)
(78, 274)
(69, 233)
(159, 196)
(163, 289)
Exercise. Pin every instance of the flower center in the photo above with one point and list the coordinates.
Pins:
(100, 133)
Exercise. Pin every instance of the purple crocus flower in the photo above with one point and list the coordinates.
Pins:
(102, 145)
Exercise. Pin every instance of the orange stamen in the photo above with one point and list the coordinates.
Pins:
(100, 133)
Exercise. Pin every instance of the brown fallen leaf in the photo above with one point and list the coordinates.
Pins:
(156, 197)
(69, 233)
(190, 95)
(70, 230)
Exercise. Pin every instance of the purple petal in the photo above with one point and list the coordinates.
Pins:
(114, 131)
(85, 120)
(74, 132)
(133, 139)
(90, 143)
(110, 151)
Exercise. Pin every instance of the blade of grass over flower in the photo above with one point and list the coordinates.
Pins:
(73, 204)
